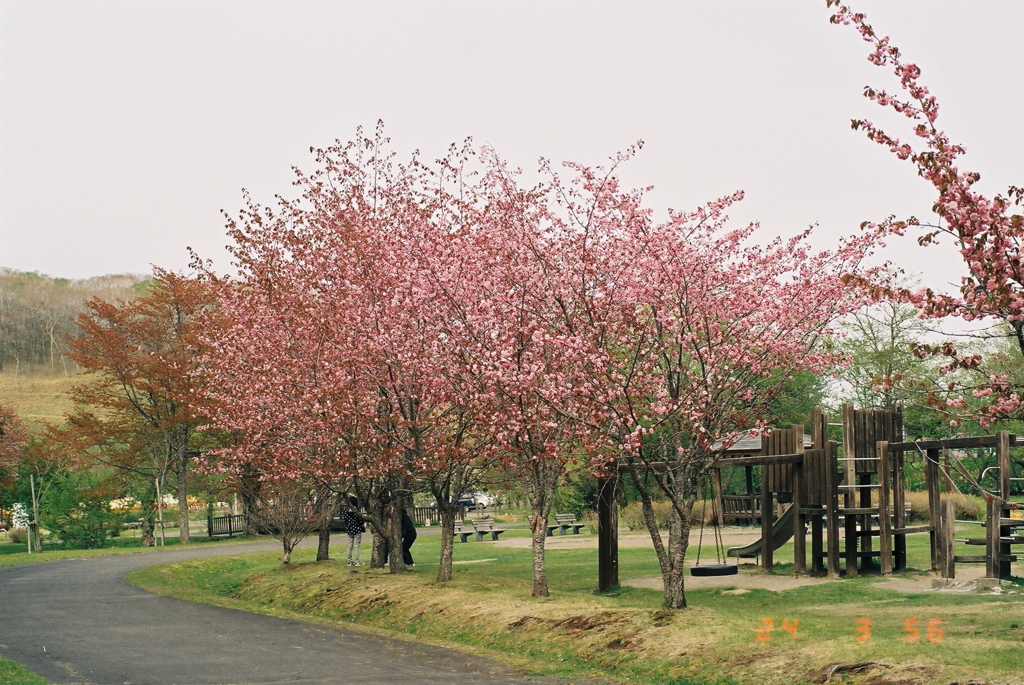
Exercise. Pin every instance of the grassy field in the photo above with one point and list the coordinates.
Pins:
(36, 395)
(13, 673)
(625, 635)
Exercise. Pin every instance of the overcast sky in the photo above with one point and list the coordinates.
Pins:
(126, 126)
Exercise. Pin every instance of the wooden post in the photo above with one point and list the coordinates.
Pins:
(992, 539)
(607, 531)
(817, 544)
(849, 448)
(884, 523)
(1003, 549)
(832, 509)
(947, 533)
(852, 544)
(818, 429)
(899, 513)
(931, 480)
(748, 476)
(797, 477)
(767, 558)
(799, 537)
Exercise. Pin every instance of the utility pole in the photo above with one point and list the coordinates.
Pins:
(34, 532)
(160, 512)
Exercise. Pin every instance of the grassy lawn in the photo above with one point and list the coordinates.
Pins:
(13, 673)
(625, 635)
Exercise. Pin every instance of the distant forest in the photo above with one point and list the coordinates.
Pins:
(38, 312)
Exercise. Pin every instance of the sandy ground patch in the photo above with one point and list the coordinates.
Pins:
(750, 577)
(732, 536)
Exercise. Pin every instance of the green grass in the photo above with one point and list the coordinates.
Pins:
(625, 634)
(13, 673)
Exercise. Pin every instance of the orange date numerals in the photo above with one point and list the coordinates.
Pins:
(767, 626)
(764, 633)
(863, 630)
(913, 633)
(934, 632)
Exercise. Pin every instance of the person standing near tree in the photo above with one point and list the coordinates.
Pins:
(354, 527)
(408, 537)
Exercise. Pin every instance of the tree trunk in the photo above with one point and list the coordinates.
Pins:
(538, 525)
(37, 538)
(670, 560)
(377, 557)
(444, 569)
(396, 564)
(148, 510)
(674, 580)
(250, 487)
(148, 533)
(182, 468)
(287, 547)
(325, 510)
(540, 486)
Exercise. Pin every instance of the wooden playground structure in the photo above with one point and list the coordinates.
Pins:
(852, 506)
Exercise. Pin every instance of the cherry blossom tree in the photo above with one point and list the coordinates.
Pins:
(986, 231)
(332, 358)
(678, 334)
(398, 322)
(506, 324)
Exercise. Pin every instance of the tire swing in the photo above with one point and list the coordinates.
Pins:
(720, 567)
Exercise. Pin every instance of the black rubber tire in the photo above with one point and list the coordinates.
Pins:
(714, 570)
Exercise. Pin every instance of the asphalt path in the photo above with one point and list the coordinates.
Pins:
(79, 621)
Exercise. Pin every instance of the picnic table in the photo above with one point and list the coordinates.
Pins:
(564, 522)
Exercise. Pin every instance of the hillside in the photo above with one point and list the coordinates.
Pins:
(37, 396)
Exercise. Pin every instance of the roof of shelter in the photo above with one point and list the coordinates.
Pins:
(750, 443)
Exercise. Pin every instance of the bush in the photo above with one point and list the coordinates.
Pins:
(17, 535)
(632, 516)
(78, 513)
(967, 507)
(918, 502)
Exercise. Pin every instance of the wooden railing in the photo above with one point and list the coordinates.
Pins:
(741, 509)
(226, 525)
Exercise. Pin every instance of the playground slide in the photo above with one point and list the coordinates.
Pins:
(782, 530)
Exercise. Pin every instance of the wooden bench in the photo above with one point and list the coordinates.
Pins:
(486, 525)
(564, 522)
(464, 530)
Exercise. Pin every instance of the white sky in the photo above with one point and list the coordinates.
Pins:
(125, 126)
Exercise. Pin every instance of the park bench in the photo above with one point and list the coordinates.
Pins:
(486, 525)
(564, 522)
(464, 530)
